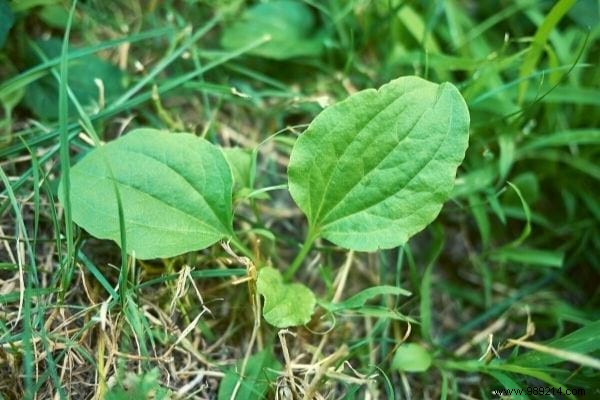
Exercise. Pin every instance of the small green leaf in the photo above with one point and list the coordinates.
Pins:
(145, 386)
(374, 169)
(56, 16)
(411, 357)
(42, 95)
(360, 299)
(261, 370)
(290, 25)
(7, 19)
(240, 161)
(175, 189)
(285, 304)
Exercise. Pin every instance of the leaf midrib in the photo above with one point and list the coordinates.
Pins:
(146, 225)
(108, 178)
(210, 207)
(410, 130)
(362, 129)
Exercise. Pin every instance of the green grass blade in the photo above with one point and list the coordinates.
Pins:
(65, 158)
(558, 11)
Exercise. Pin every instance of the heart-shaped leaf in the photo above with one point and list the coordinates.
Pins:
(290, 26)
(374, 169)
(285, 304)
(175, 190)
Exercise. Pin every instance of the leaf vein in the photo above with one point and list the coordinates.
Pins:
(358, 133)
(421, 168)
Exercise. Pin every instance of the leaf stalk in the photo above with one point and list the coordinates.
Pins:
(299, 259)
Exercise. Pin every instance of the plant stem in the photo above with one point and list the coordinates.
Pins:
(310, 238)
(237, 243)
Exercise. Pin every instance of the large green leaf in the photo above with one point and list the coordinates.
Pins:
(290, 25)
(285, 304)
(175, 190)
(374, 169)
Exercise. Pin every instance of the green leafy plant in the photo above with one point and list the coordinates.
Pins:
(369, 172)
(499, 291)
(287, 26)
(261, 370)
(285, 304)
(175, 188)
(144, 387)
(93, 80)
(375, 169)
